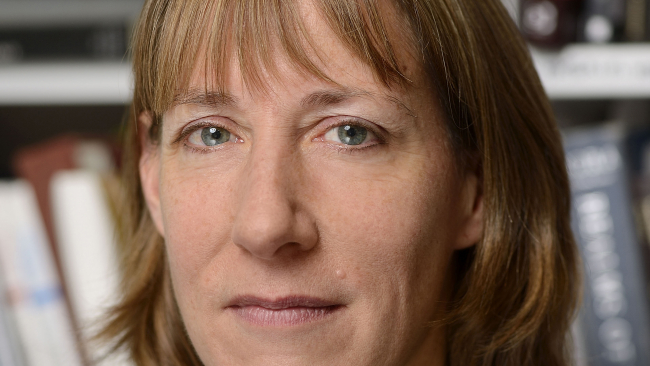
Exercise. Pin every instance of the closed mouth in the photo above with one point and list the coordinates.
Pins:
(286, 311)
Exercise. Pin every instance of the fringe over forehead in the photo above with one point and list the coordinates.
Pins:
(248, 31)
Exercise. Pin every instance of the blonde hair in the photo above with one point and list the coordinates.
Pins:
(516, 289)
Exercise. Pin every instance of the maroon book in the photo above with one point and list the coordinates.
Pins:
(39, 163)
(550, 23)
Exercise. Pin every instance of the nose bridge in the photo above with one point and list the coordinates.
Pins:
(267, 218)
(268, 175)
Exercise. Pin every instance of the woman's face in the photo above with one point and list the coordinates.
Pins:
(314, 223)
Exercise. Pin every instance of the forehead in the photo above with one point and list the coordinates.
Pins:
(209, 42)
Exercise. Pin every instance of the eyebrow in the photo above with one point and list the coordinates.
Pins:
(327, 98)
(209, 98)
(323, 98)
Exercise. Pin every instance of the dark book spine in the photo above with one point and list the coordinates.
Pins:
(63, 43)
(603, 21)
(549, 23)
(647, 21)
(636, 20)
(614, 316)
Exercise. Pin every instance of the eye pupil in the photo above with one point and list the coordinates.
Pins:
(352, 135)
(212, 136)
(350, 132)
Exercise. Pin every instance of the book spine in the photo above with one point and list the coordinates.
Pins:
(647, 21)
(615, 315)
(63, 42)
(35, 291)
(635, 22)
(82, 216)
(603, 21)
(10, 348)
(549, 23)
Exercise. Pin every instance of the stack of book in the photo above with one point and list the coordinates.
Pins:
(58, 257)
(609, 168)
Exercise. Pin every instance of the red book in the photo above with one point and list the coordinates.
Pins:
(38, 163)
(550, 23)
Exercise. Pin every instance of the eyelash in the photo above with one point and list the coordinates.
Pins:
(341, 148)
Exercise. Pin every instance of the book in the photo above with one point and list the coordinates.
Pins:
(636, 17)
(615, 317)
(603, 21)
(549, 23)
(11, 352)
(34, 289)
(88, 251)
(38, 163)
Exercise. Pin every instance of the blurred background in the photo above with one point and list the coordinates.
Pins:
(65, 83)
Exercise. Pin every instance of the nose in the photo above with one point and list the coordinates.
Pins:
(269, 219)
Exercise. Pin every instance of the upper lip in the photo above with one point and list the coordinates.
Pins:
(282, 302)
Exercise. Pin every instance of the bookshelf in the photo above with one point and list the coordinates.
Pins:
(65, 83)
(576, 72)
(589, 71)
(39, 100)
(39, 12)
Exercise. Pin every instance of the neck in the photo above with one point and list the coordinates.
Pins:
(432, 351)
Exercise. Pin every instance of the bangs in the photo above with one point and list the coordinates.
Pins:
(175, 37)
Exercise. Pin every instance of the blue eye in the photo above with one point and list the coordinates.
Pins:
(352, 135)
(209, 136)
(348, 134)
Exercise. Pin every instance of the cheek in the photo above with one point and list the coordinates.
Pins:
(196, 204)
(392, 226)
(396, 203)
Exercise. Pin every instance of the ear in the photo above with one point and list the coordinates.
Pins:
(149, 166)
(471, 229)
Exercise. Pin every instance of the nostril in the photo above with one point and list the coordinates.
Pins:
(263, 226)
(265, 233)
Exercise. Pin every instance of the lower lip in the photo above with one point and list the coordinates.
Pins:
(283, 317)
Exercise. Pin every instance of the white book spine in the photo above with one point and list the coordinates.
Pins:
(85, 233)
(35, 291)
(10, 347)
